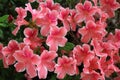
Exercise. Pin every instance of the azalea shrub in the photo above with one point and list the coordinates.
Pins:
(65, 42)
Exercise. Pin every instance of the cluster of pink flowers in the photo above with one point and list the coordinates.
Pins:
(46, 32)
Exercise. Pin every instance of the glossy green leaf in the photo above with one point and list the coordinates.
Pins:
(3, 25)
(69, 46)
(4, 18)
(1, 33)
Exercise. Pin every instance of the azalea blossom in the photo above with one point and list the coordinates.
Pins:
(109, 6)
(46, 63)
(114, 38)
(47, 22)
(104, 48)
(35, 13)
(91, 76)
(65, 65)
(83, 54)
(107, 67)
(26, 60)
(91, 31)
(56, 38)
(3, 57)
(50, 5)
(31, 38)
(47, 47)
(63, 15)
(94, 65)
(9, 50)
(20, 19)
(71, 20)
(85, 12)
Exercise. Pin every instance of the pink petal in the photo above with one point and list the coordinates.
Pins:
(10, 60)
(28, 32)
(61, 75)
(42, 72)
(35, 59)
(53, 46)
(86, 38)
(45, 30)
(6, 51)
(28, 52)
(20, 67)
(62, 42)
(87, 5)
(50, 66)
(27, 41)
(62, 31)
(15, 31)
(13, 45)
(31, 71)
(79, 18)
(5, 62)
(19, 56)
(21, 12)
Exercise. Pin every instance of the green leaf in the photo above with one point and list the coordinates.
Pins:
(69, 46)
(57, 0)
(4, 18)
(53, 77)
(75, 77)
(1, 33)
(3, 25)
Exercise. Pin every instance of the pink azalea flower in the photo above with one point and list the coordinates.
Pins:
(93, 66)
(21, 45)
(65, 66)
(107, 67)
(114, 39)
(85, 12)
(26, 59)
(91, 76)
(47, 22)
(83, 54)
(104, 48)
(104, 17)
(3, 57)
(46, 63)
(56, 38)
(63, 15)
(20, 19)
(35, 13)
(50, 5)
(9, 50)
(101, 15)
(71, 20)
(31, 38)
(109, 6)
(92, 30)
